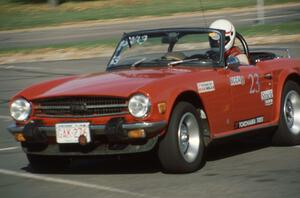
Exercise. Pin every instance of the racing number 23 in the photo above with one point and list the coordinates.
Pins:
(255, 84)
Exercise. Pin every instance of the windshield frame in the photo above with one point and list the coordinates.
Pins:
(163, 31)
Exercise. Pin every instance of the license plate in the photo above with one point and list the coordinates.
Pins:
(70, 132)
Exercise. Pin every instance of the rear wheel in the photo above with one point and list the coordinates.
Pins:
(181, 150)
(47, 163)
(288, 132)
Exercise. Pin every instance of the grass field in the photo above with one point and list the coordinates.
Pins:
(16, 15)
(249, 31)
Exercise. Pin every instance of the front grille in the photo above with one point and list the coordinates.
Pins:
(77, 107)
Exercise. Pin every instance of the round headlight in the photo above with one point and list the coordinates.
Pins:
(139, 105)
(20, 109)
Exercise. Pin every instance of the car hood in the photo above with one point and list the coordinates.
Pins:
(120, 83)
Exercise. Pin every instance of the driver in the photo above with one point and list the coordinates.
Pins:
(230, 49)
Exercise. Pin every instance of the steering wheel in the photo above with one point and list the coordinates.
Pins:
(244, 44)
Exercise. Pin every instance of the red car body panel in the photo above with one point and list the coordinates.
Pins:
(224, 106)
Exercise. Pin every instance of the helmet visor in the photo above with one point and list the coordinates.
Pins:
(214, 39)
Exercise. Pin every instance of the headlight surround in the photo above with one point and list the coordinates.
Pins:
(139, 105)
(20, 109)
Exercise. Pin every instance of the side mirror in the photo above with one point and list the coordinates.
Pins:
(233, 63)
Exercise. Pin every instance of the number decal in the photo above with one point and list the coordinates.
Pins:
(255, 84)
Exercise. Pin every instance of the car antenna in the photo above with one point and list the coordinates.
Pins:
(203, 14)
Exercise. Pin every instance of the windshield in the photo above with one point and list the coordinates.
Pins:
(168, 47)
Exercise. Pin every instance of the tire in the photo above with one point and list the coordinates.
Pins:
(288, 131)
(181, 150)
(47, 163)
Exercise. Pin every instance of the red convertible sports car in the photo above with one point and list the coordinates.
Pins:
(167, 90)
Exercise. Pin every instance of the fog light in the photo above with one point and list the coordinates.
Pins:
(138, 133)
(20, 137)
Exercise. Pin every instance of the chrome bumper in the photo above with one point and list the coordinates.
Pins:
(149, 127)
(35, 133)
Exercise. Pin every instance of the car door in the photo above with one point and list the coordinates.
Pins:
(214, 92)
(251, 96)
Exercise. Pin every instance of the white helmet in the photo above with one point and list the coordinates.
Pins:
(227, 26)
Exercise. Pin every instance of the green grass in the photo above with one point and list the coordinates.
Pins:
(288, 28)
(78, 45)
(250, 31)
(16, 15)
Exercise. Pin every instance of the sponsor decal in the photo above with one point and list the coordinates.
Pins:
(267, 94)
(267, 97)
(249, 122)
(237, 80)
(206, 86)
(269, 102)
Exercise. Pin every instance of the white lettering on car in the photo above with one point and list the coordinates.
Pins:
(250, 122)
(255, 84)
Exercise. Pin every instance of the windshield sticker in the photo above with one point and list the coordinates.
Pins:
(115, 60)
(142, 39)
(267, 97)
(138, 39)
(237, 80)
(249, 122)
(127, 42)
(123, 43)
(206, 86)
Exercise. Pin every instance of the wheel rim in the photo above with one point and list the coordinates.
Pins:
(188, 137)
(292, 111)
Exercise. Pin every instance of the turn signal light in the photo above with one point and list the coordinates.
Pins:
(82, 140)
(162, 108)
(138, 133)
(20, 137)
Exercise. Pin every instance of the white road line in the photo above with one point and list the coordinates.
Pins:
(9, 148)
(9, 67)
(13, 67)
(6, 118)
(298, 146)
(71, 182)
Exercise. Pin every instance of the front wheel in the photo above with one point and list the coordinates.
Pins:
(181, 150)
(288, 131)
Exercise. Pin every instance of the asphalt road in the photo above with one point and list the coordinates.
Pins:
(242, 167)
(46, 37)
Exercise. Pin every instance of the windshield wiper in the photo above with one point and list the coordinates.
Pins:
(138, 62)
(182, 61)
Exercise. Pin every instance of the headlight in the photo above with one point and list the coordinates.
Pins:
(20, 109)
(139, 105)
